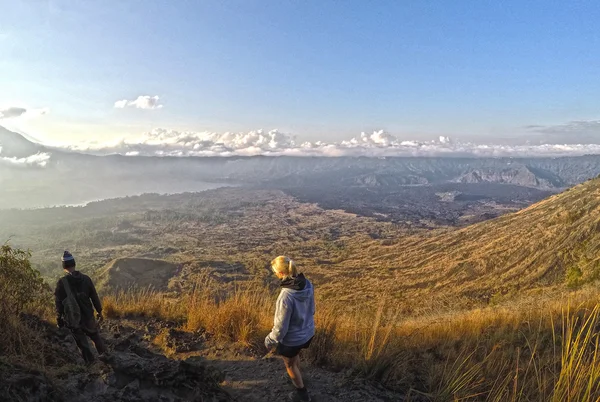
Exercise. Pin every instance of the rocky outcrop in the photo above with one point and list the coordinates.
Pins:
(140, 375)
(131, 371)
(519, 175)
(20, 383)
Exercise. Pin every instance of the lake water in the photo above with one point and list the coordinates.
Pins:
(80, 194)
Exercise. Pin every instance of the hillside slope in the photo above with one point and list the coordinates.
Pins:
(537, 246)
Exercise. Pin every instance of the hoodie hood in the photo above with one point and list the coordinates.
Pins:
(297, 283)
(299, 287)
(75, 277)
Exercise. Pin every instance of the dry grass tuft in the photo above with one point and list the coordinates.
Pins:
(137, 303)
(162, 342)
(243, 317)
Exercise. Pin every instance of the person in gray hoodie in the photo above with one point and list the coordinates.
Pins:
(294, 324)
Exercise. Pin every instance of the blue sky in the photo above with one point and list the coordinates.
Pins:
(321, 70)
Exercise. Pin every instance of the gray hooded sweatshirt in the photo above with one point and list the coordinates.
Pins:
(294, 323)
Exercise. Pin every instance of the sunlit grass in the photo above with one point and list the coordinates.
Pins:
(495, 354)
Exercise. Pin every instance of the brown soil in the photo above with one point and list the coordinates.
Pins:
(254, 379)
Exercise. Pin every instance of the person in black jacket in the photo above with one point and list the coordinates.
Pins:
(88, 300)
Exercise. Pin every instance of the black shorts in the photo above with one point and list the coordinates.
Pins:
(291, 351)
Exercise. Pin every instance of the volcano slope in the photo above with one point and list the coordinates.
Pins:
(550, 244)
(232, 233)
(508, 352)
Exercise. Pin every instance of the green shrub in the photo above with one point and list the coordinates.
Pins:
(573, 216)
(22, 290)
(21, 287)
(573, 277)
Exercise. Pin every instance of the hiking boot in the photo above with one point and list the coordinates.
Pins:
(305, 379)
(299, 396)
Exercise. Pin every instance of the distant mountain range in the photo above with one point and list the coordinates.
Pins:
(22, 176)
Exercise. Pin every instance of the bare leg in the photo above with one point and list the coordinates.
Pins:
(292, 365)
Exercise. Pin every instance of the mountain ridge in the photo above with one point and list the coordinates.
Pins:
(100, 177)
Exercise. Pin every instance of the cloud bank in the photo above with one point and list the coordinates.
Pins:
(163, 142)
(579, 131)
(142, 102)
(40, 159)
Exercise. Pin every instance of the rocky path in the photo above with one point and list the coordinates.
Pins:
(252, 379)
(152, 361)
(248, 377)
(132, 371)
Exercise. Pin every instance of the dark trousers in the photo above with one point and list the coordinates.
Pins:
(81, 338)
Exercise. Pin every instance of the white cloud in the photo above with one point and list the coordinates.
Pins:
(163, 142)
(187, 143)
(142, 102)
(9, 112)
(40, 160)
(17, 111)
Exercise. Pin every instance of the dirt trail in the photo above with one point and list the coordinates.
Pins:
(253, 379)
(250, 378)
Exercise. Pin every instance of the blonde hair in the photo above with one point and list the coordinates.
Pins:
(284, 265)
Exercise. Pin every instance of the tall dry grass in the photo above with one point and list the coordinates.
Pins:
(523, 353)
(242, 317)
(143, 303)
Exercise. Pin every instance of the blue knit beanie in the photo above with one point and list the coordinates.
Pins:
(67, 260)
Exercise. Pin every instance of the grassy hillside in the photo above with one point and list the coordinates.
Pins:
(425, 312)
(232, 233)
(552, 243)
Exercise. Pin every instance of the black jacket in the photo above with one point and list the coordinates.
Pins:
(83, 286)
